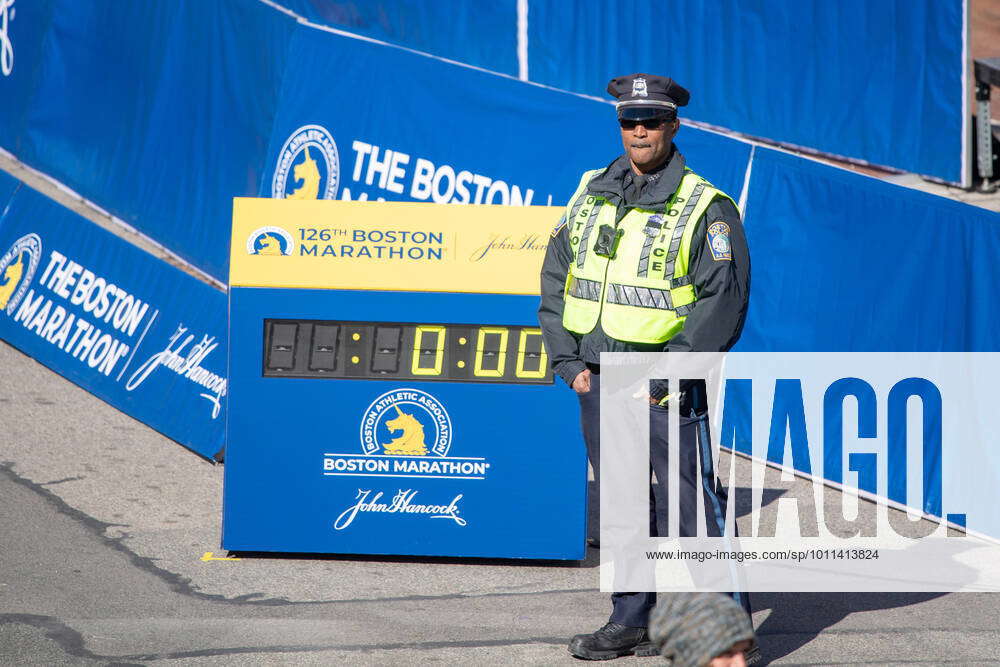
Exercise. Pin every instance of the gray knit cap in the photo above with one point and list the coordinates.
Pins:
(693, 628)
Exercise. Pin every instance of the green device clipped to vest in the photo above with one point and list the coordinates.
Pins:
(607, 241)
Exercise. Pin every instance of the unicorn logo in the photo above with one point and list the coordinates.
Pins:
(270, 241)
(307, 172)
(411, 442)
(316, 175)
(10, 279)
(269, 245)
(406, 422)
(17, 268)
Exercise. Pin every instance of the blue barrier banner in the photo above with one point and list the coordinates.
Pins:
(158, 111)
(23, 26)
(8, 187)
(164, 136)
(844, 262)
(876, 81)
(483, 34)
(424, 130)
(124, 325)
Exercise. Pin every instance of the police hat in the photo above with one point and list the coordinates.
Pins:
(642, 96)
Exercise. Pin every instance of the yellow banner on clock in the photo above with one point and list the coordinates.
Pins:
(393, 246)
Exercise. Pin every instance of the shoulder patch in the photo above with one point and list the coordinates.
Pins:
(718, 241)
(559, 226)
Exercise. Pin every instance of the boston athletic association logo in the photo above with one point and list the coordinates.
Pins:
(308, 166)
(405, 433)
(17, 268)
(406, 422)
(271, 241)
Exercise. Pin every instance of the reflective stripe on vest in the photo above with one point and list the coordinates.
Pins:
(584, 289)
(640, 297)
(675, 242)
(643, 295)
(652, 231)
(596, 204)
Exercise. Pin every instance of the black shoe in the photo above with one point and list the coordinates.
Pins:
(613, 641)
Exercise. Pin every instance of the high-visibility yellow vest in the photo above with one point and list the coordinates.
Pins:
(644, 294)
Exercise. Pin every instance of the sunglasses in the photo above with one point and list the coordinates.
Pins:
(648, 123)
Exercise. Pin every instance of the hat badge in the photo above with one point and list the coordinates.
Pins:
(639, 88)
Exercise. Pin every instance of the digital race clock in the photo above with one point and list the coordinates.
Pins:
(422, 352)
(389, 389)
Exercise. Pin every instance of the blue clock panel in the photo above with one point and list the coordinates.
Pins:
(409, 423)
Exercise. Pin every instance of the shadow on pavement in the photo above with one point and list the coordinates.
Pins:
(592, 559)
(797, 618)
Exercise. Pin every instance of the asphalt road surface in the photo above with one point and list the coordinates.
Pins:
(105, 526)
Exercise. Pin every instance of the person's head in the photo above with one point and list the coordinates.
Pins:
(647, 113)
(734, 657)
(699, 629)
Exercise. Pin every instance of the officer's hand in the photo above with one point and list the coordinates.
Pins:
(581, 383)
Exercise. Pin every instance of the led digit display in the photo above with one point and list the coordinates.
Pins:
(428, 356)
(491, 352)
(405, 351)
(531, 347)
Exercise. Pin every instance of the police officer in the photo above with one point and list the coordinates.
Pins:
(648, 256)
